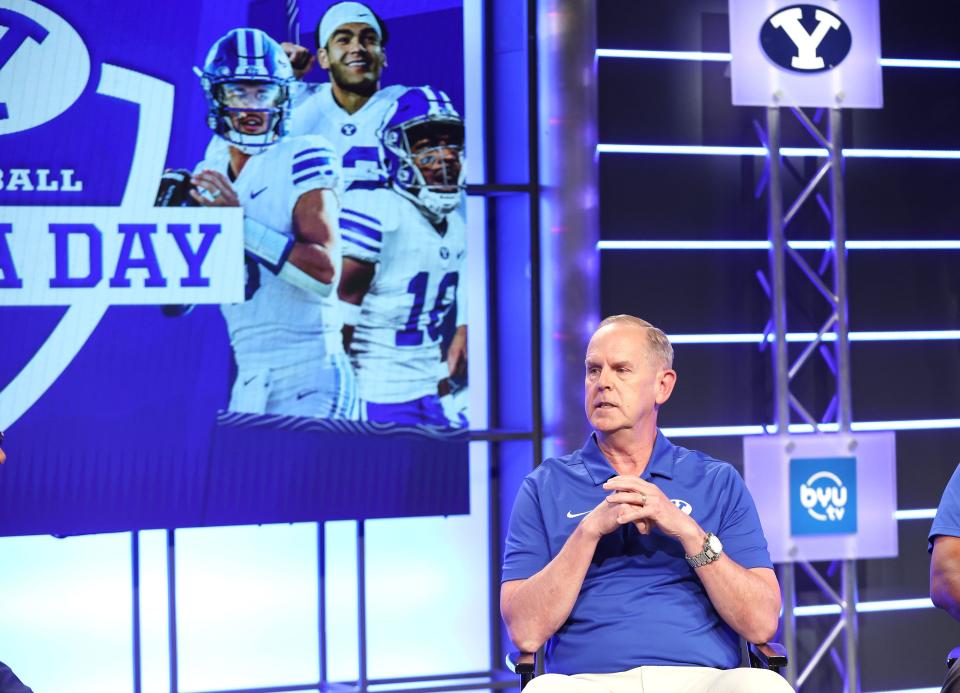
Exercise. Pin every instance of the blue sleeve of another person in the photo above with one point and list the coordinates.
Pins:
(740, 530)
(947, 520)
(526, 552)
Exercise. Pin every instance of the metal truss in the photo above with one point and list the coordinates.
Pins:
(830, 280)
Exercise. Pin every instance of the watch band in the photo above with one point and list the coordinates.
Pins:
(709, 554)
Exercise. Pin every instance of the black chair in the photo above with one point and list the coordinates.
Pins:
(953, 656)
(770, 655)
(951, 684)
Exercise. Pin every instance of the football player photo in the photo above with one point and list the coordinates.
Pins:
(404, 258)
(286, 335)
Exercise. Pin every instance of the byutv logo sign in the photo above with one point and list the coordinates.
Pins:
(823, 495)
(805, 38)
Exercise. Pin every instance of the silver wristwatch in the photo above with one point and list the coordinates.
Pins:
(712, 548)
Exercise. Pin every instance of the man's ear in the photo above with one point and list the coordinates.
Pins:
(323, 58)
(384, 58)
(665, 383)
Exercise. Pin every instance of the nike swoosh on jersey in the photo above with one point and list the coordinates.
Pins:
(254, 194)
(306, 393)
(571, 515)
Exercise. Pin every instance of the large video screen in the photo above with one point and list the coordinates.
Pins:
(232, 262)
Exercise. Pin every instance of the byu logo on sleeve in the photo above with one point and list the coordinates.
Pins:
(823, 495)
(805, 38)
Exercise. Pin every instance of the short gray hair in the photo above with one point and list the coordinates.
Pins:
(658, 345)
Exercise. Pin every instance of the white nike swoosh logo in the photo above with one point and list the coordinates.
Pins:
(571, 515)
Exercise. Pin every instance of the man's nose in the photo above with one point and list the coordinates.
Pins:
(603, 380)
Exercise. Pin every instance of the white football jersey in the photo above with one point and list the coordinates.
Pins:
(396, 344)
(354, 135)
(279, 324)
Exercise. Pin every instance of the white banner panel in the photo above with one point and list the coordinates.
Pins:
(56, 256)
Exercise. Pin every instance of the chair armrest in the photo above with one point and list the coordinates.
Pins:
(524, 664)
(521, 662)
(770, 655)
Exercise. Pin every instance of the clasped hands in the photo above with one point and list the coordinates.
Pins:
(641, 503)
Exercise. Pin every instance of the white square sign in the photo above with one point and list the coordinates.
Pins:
(824, 496)
(822, 54)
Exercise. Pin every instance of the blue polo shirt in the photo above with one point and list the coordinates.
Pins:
(640, 603)
(947, 519)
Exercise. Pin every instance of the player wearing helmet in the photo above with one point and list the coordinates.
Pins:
(404, 255)
(286, 334)
(348, 109)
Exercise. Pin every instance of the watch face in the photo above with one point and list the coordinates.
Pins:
(715, 544)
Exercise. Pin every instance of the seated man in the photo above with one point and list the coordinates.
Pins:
(944, 544)
(614, 556)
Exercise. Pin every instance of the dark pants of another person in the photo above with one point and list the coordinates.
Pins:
(9, 683)
(952, 683)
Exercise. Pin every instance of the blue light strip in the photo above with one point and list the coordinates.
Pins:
(915, 514)
(906, 425)
(683, 149)
(866, 607)
(922, 63)
(895, 153)
(756, 429)
(904, 336)
(716, 57)
(685, 245)
(898, 245)
(912, 690)
(700, 56)
(765, 245)
(745, 338)
(710, 431)
(804, 337)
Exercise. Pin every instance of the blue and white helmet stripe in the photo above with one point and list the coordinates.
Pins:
(439, 102)
(253, 56)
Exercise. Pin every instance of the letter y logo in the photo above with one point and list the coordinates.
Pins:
(805, 38)
(19, 29)
(807, 44)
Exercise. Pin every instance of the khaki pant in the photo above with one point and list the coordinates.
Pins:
(657, 679)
